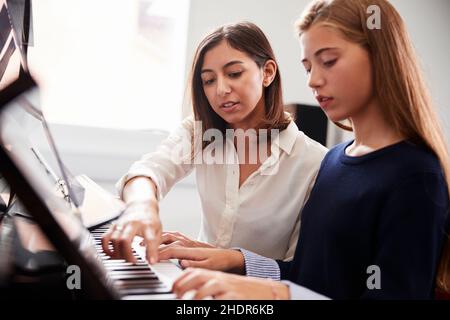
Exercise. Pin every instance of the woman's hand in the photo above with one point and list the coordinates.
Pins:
(208, 258)
(224, 286)
(139, 219)
(180, 240)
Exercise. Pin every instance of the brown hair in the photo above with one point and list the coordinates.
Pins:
(248, 38)
(403, 95)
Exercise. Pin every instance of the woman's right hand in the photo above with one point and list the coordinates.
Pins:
(139, 219)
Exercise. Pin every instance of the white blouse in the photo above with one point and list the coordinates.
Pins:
(263, 215)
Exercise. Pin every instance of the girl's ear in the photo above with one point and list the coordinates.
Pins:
(269, 72)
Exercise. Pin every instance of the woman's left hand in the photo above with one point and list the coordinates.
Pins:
(223, 286)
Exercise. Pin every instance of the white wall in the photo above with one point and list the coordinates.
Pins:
(428, 24)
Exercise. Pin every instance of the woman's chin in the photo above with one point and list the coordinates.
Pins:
(237, 119)
(231, 120)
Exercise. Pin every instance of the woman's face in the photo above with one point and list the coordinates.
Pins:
(233, 85)
(339, 72)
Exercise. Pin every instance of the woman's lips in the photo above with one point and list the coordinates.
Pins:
(230, 107)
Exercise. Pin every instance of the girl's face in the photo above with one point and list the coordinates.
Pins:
(339, 72)
(233, 85)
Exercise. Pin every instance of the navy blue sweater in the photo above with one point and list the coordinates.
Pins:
(388, 208)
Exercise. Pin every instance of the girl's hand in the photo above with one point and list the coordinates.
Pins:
(223, 286)
(208, 258)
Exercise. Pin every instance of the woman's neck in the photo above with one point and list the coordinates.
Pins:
(253, 119)
(372, 131)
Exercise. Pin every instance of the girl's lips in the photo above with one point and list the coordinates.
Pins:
(325, 103)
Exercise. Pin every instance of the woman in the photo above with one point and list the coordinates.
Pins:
(376, 223)
(244, 179)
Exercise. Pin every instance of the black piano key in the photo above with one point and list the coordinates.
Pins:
(141, 284)
(120, 267)
(129, 292)
(123, 262)
(133, 276)
(121, 282)
(147, 271)
(123, 275)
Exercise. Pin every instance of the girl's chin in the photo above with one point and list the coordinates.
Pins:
(336, 116)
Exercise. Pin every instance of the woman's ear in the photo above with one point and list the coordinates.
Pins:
(269, 72)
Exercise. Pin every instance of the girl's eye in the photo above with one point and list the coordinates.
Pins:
(329, 63)
(307, 68)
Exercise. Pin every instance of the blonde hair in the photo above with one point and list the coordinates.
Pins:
(403, 95)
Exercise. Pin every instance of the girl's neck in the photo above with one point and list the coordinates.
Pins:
(372, 131)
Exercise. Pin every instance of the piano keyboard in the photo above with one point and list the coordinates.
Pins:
(128, 278)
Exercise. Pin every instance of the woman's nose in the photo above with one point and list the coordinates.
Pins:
(223, 87)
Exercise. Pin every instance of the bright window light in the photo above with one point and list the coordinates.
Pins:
(111, 63)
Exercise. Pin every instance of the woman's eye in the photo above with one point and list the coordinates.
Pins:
(235, 74)
(308, 71)
(208, 82)
(329, 63)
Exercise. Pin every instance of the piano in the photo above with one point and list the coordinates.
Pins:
(136, 279)
(30, 266)
(43, 238)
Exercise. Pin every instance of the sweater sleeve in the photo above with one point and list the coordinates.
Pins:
(285, 269)
(409, 240)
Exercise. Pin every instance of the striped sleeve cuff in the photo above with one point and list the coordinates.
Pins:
(259, 266)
